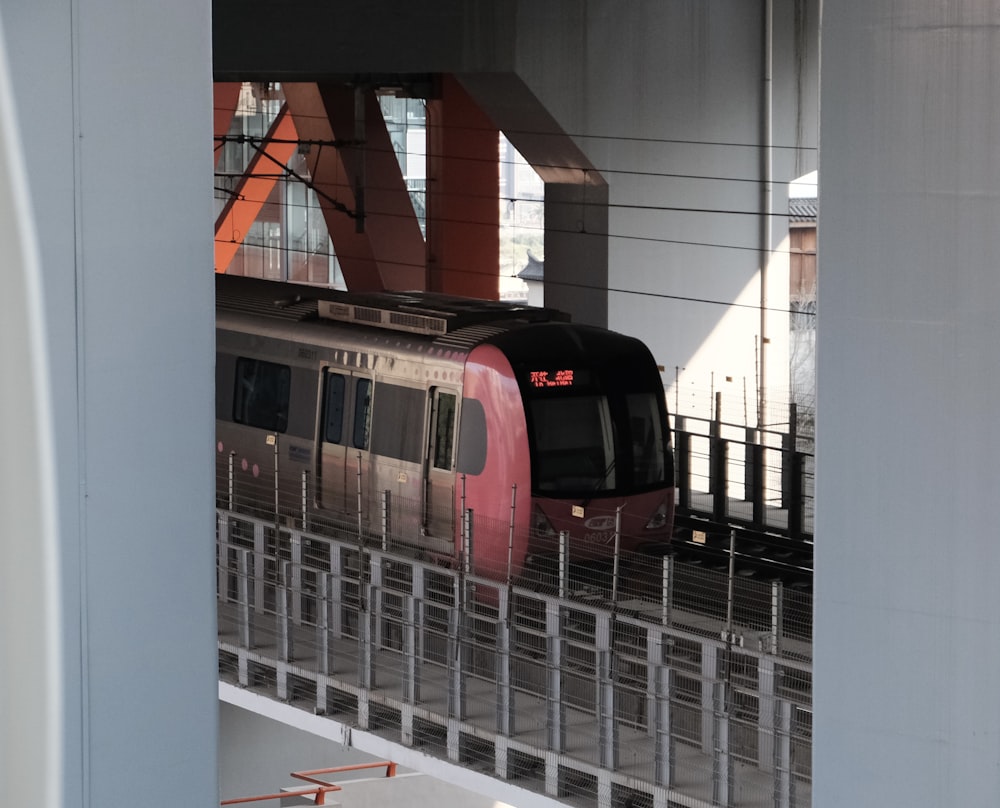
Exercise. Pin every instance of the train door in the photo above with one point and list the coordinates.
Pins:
(344, 435)
(439, 476)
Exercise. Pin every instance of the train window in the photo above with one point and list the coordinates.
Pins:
(398, 422)
(444, 429)
(646, 433)
(574, 447)
(362, 413)
(261, 395)
(472, 437)
(333, 407)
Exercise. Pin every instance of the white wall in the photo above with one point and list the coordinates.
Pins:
(114, 100)
(262, 740)
(907, 682)
(665, 100)
(257, 755)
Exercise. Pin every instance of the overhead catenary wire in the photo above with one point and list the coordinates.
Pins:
(611, 206)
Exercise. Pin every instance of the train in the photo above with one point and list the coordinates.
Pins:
(477, 433)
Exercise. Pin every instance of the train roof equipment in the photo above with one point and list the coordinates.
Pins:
(429, 313)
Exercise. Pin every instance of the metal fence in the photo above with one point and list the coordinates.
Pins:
(688, 687)
(751, 476)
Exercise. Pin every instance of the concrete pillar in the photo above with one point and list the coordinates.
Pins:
(115, 110)
(907, 609)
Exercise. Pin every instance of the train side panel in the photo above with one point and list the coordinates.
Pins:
(265, 409)
(494, 457)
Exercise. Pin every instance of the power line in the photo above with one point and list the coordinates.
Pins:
(550, 283)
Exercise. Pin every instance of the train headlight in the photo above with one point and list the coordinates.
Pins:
(659, 518)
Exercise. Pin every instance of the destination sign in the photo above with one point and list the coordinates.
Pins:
(551, 378)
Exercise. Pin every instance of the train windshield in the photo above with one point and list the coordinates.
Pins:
(595, 411)
(574, 444)
(594, 443)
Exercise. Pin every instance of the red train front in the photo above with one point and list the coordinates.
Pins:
(576, 440)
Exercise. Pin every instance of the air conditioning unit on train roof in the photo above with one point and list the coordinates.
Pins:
(382, 318)
(432, 314)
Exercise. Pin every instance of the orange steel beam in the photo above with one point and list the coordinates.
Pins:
(463, 190)
(226, 95)
(387, 250)
(249, 197)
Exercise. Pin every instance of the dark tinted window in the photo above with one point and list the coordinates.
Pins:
(333, 407)
(574, 444)
(472, 437)
(647, 438)
(362, 413)
(260, 397)
(444, 430)
(398, 422)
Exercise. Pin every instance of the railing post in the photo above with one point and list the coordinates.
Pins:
(722, 760)
(777, 616)
(259, 553)
(386, 495)
(305, 500)
(222, 556)
(796, 509)
(295, 581)
(709, 674)
(755, 457)
(456, 673)
(284, 616)
(510, 538)
(784, 777)
(663, 741)
(667, 590)
(718, 459)
(766, 706)
(563, 564)
(335, 591)
(789, 447)
(606, 723)
(366, 639)
(467, 567)
(245, 594)
(323, 626)
(411, 650)
(505, 692)
(555, 709)
(682, 448)
(360, 522)
(615, 563)
(376, 596)
(272, 440)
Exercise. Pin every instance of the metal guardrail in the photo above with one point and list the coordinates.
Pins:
(752, 477)
(659, 699)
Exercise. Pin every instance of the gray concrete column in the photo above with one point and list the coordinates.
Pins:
(907, 475)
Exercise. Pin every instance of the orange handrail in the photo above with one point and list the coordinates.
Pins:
(321, 787)
(319, 792)
(309, 775)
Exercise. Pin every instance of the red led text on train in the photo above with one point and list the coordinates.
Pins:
(551, 378)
